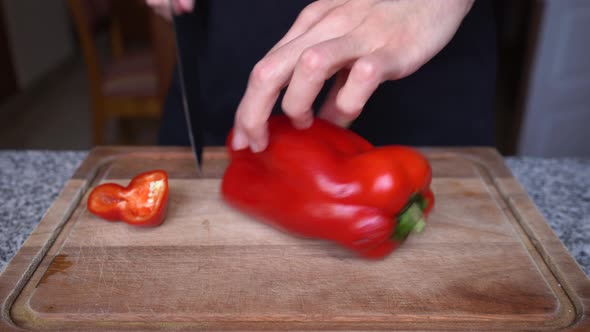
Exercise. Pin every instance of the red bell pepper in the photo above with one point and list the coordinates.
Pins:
(327, 182)
(142, 203)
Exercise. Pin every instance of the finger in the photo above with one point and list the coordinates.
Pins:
(186, 5)
(316, 65)
(308, 17)
(329, 110)
(160, 7)
(156, 3)
(257, 141)
(365, 76)
(250, 122)
(265, 82)
(176, 7)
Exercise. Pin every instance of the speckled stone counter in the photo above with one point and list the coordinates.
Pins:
(31, 180)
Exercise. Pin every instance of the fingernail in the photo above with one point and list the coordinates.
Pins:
(343, 122)
(240, 141)
(334, 118)
(305, 122)
(257, 147)
(259, 144)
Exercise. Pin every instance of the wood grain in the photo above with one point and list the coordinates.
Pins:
(486, 261)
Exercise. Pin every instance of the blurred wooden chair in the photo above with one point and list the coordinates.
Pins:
(131, 83)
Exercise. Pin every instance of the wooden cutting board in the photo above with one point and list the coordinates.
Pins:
(486, 261)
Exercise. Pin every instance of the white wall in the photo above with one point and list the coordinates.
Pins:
(557, 103)
(39, 33)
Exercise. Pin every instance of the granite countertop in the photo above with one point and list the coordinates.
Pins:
(31, 180)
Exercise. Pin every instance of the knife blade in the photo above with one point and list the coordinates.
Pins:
(196, 141)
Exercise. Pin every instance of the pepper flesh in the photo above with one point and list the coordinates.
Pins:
(327, 182)
(142, 203)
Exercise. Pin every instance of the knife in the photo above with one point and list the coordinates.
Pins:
(196, 141)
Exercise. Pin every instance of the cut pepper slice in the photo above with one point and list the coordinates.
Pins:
(142, 203)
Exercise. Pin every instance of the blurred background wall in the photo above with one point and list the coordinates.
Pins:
(40, 38)
(556, 91)
(48, 90)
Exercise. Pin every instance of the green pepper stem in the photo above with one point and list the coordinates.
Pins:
(411, 219)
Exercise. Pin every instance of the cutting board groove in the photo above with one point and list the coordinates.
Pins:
(487, 261)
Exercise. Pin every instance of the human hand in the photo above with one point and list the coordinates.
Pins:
(364, 42)
(162, 7)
